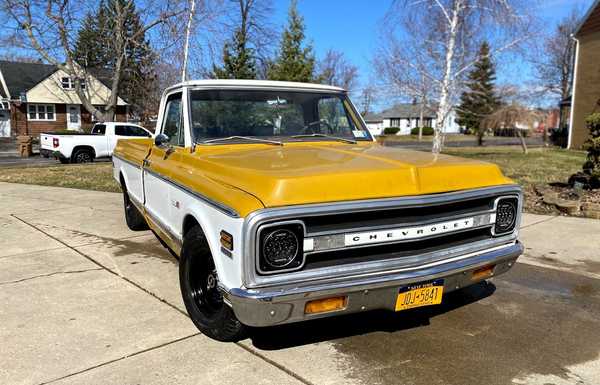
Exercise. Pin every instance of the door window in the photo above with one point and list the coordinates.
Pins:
(73, 114)
(172, 123)
(120, 130)
(136, 131)
(99, 129)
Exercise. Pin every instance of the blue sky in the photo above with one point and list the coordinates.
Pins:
(351, 26)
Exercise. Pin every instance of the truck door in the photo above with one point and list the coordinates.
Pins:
(156, 173)
(100, 140)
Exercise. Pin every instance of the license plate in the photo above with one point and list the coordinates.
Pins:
(423, 294)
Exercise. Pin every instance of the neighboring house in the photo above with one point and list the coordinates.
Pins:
(37, 97)
(406, 117)
(586, 79)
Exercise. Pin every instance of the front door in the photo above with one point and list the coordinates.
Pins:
(4, 123)
(156, 174)
(73, 117)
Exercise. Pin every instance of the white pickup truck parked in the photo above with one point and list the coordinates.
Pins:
(82, 148)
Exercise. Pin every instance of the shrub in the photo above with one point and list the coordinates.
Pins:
(559, 136)
(592, 145)
(426, 131)
(391, 130)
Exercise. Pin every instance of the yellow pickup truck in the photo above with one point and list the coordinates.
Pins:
(281, 207)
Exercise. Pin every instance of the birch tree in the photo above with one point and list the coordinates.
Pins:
(437, 41)
(49, 27)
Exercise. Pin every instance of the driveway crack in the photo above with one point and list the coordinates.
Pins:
(121, 358)
(49, 275)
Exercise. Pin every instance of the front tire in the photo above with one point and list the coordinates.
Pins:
(134, 219)
(199, 287)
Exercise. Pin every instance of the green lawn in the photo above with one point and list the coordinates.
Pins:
(540, 165)
(95, 176)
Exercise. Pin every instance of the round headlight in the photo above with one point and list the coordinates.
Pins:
(280, 248)
(506, 215)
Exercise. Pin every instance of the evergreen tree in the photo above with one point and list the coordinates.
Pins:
(95, 50)
(91, 47)
(480, 100)
(295, 62)
(238, 59)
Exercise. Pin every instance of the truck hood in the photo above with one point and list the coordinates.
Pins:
(302, 173)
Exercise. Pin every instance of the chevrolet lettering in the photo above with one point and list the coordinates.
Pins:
(282, 207)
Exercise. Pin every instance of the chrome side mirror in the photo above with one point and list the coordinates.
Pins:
(161, 140)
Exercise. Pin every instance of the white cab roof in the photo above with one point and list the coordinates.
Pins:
(238, 83)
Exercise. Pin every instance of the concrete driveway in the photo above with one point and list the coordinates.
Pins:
(83, 300)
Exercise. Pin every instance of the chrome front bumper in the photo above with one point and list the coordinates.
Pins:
(285, 304)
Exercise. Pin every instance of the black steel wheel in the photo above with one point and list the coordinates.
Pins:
(199, 284)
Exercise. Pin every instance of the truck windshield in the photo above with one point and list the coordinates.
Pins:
(279, 115)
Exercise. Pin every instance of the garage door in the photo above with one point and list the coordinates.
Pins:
(4, 123)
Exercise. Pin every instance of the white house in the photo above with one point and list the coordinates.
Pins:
(406, 117)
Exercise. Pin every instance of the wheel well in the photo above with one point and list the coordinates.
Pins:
(122, 180)
(188, 222)
(87, 148)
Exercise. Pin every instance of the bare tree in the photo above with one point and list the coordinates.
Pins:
(438, 41)
(334, 69)
(50, 27)
(366, 99)
(512, 116)
(554, 64)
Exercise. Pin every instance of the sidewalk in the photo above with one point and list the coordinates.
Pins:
(9, 148)
(83, 300)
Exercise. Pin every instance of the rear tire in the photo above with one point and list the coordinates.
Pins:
(199, 287)
(134, 219)
(82, 156)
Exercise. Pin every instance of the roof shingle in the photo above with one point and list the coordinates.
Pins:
(21, 77)
(401, 111)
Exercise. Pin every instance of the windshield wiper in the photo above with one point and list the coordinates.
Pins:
(265, 141)
(325, 136)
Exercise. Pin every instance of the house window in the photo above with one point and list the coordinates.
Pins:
(395, 123)
(67, 83)
(41, 112)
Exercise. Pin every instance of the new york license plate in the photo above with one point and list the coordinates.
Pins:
(418, 295)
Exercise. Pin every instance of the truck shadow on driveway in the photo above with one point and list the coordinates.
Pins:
(327, 329)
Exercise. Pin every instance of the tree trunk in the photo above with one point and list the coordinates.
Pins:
(522, 139)
(444, 106)
(421, 113)
(187, 40)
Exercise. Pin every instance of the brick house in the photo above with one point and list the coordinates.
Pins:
(36, 97)
(586, 78)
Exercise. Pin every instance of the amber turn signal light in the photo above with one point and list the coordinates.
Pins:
(226, 240)
(482, 273)
(325, 305)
